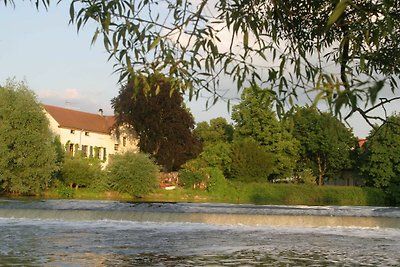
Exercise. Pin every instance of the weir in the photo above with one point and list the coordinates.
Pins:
(223, 214)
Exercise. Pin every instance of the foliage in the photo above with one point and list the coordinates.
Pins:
(81, 171)
(325, 143)
(307, 177)
(217, 183)
(337, 51)
(218, 131)
(381, 160)
(255, 118)
(250, 162)
(201, 42)
(27, 157)
(133, 173)
(163, 124)
(190, 178)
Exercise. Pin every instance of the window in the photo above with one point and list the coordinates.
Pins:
(116, 146)
(86, 133)
(84, 151)
(71, 149)
(124, 141)
(72, 131)
(104, 154)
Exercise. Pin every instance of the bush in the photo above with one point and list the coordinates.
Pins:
(250, 162)
(133, 173)
(217, 183)
(307, 177)
(190, 179)
(81, 172)
(218, 155)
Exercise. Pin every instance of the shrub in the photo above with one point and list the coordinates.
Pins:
(307, 177)
(133, 173)
(81, 172)
(190, 179)
(250, 162)
(218, 155)
(217, 183)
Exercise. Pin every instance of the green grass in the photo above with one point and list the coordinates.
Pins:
(84, 193)
(242, 193)
(277, 194)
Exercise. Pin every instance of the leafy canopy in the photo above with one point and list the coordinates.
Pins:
(27, 156)
(255, 118)
(325, 143)
(381, 162)
(339, 51)
(162, 122)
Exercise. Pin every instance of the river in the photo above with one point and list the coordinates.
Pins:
(110, 233)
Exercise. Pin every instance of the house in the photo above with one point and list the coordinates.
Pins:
(92, 134)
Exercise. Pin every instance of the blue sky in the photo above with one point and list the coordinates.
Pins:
(62, 67)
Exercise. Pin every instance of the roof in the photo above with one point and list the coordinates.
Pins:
(78, 120)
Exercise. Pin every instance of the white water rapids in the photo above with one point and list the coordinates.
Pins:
(109, 233)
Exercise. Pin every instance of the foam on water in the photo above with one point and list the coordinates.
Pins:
(89, 241)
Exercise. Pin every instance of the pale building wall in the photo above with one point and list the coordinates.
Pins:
(108, 144)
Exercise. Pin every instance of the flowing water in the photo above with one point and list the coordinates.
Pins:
(109, 233)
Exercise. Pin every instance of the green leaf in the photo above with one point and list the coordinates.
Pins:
(338, 11)
(155, 43)
(246, 39)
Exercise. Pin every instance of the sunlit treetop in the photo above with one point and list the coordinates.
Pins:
(342, 52)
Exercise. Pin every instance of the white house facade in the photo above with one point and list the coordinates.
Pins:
(92, 134)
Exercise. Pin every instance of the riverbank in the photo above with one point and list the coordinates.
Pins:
(238, 193)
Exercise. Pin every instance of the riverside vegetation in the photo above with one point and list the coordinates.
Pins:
(259, 159)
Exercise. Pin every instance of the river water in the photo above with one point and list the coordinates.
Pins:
(109, 233)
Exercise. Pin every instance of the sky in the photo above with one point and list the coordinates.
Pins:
(64, 69)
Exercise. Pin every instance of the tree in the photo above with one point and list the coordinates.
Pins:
(255, 118)
(162, 122)
(250, 162)
(27, 156)
(380, 163)
(325, 143)
(199, 43)
(217, 131)
(133, 173)
(296, 41)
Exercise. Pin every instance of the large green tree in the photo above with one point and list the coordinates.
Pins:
(159, 116)
(216, 138)
(27, 156)
(380, 162)
(326, 144)
(255, 118)
(218, 130)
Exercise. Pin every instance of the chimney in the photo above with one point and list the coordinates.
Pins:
(101, 112)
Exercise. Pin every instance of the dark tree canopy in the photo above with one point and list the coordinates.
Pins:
(162, 122)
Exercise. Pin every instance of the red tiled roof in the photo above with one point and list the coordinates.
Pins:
(361, 142)
(78, 120)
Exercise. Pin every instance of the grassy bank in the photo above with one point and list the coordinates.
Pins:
(277, 194)
(254, 193)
